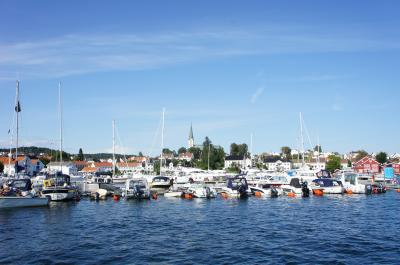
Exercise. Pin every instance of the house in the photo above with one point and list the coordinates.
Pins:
(140, 159)
(315, 164)
(67, 168)
(80, 164)
(168, 156)
(24, 164)
(187, 156)
(102, 166)
(37, 166)
(280, 166)
(237, 161)
(367, 165)
(129, 166)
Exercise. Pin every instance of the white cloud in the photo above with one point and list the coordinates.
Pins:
(256, 95)
(78, 54)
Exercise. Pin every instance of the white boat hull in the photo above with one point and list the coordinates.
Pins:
(173, 194)
(17, 202)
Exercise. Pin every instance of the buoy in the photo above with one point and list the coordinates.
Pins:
(224, 195)
(291, 194)
(398, 190)
(116, 197)
(349, 191)
(154, 196)
(188, 196)
(318, 192)
(258, 194)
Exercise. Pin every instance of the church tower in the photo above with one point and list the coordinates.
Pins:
(191, 139)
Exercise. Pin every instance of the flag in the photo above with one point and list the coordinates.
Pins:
(18, 107)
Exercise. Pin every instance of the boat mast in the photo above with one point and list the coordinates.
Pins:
(209, 149)
(302, 139)
(251, 149)
(162, 139)
(113, 126)
(61, 124)
(318, 160)
(17, 110)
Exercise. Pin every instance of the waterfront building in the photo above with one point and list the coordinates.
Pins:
(187, 156)
(367, 165)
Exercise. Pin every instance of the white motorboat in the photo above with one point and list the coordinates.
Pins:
(354, 183)
(296, 189)
(236, 187)
(160, 183)
(201, 191)
(266, 190)
(137, 189)
(328, 186)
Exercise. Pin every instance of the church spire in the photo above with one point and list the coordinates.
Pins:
(191, 138)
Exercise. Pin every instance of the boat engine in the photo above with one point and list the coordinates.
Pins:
(274, 192)
(304, 190)
(208, 192)
(368, 189)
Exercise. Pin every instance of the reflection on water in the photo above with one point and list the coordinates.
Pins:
(331, 229)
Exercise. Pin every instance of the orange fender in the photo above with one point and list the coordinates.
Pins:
(318, 192)
(291, 194)
(258, 194)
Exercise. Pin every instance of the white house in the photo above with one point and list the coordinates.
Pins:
(280, 166)
(130, 166)
(187, 156)
(67, 168)
(237, 161)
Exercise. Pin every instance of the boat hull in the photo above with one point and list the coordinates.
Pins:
(17, 202)
(60, 194)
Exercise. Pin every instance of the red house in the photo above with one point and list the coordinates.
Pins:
(396, 168)
(367, 165)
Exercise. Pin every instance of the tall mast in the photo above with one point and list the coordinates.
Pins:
(113, 126)
(17, 109)
(209, 149)
(61, 124)
(162, 139)
(251, 149)
(319, 150)
(302, 139)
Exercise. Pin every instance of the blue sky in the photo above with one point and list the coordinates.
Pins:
(232, 68)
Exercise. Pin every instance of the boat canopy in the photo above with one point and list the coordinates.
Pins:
(324, 182)
(295, 182)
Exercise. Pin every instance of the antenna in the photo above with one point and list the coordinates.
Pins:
(113, 139)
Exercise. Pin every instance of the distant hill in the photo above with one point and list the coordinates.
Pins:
(38, 151)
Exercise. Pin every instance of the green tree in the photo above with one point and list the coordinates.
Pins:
(239, 150)
(45, 160)
(140, 154)
(80, 155)
(349, 164)
(286, 151)
(1, 167)
(167, 151)
(333, 163)
(196, 152)
(381, 157)
(212, 156)
(361, 154)
(182, 150)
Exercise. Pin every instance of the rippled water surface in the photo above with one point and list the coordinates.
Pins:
(328, 230)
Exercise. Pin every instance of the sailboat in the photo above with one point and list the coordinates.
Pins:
(58, 187)
(12, 195)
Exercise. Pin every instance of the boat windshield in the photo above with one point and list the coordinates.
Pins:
(351, 178)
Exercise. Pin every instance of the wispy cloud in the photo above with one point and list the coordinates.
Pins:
(78, 54)
(256, 95)
(323, 77)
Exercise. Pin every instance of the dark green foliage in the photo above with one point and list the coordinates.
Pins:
(239, 150)
(381, 157)
(333, 163)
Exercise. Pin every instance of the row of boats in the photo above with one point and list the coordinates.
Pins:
(24, 192)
